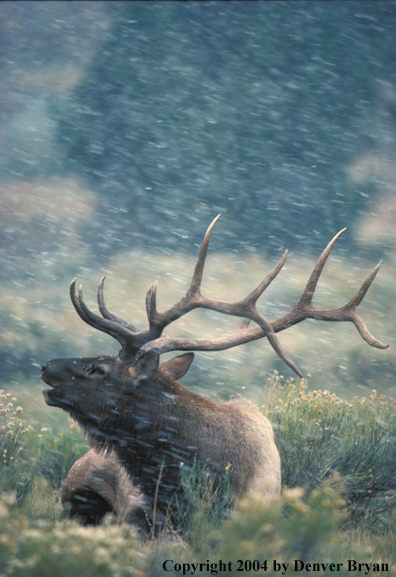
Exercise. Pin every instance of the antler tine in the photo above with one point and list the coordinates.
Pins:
(83, 311)
(274, 342)
(104, 311)
(158, 321)
(359, 323)
(76, 303)
(120, 332)
(198, 271)
(309, 290)
(244, 325)
(359, 296)
(151, 307)
(258, 291)
(351, 312)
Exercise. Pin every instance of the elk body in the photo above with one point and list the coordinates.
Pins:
(142, 423)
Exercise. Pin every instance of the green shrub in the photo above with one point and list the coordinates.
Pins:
(208, 504)
(297, 526)
(57, 454)
(318, 435)
(16, 472)
(34, 462)
(211, 499)
(43, 549)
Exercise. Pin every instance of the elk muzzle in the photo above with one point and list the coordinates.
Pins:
(62, 375)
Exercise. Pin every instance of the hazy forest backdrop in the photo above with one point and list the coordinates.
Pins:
(127, 126)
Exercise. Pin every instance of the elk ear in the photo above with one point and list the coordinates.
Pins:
(144, 367)
(178, 366)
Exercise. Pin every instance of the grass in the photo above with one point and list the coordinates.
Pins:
(338, 501)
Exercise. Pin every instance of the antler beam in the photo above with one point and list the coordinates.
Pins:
(302, 310)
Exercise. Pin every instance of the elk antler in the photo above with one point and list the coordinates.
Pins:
(193, 299)
(129, 337)
(133, 341)
(136, 343)
(302, 310)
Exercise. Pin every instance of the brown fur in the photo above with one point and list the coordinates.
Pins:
(98, 484)
(152, 423)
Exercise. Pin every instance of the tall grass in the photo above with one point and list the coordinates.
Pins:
(337, 504)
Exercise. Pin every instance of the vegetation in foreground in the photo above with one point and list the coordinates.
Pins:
(337, 506)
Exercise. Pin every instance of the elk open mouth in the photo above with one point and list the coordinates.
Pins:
(54, 398)
(46, 395)
(51, 396)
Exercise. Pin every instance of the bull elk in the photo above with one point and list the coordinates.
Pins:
(142, 424)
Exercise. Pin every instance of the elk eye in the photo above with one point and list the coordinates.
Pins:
(99, 371)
